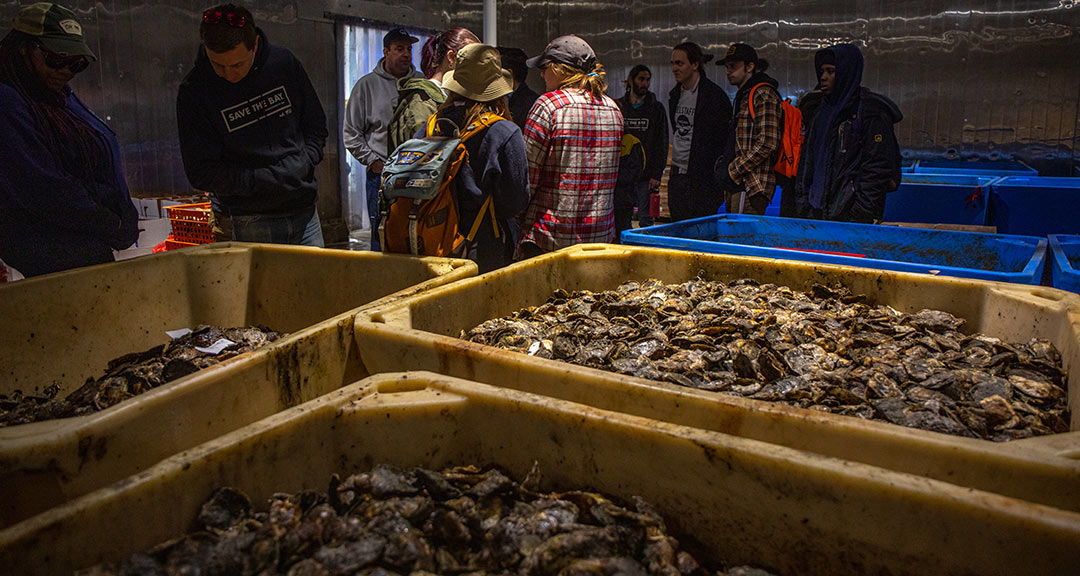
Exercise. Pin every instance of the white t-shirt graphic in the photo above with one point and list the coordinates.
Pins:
(684, 127)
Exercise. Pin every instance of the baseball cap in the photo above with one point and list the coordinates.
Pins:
(570, 50)
(398, 35)
(479, 74)
(55, 27)
(739, 53)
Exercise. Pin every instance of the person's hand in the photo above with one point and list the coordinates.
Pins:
(722, 178)
(376, 167)
(654, 185)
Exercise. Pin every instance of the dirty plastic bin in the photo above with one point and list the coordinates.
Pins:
(65, 327)
(976, 167)
(940, 199)
(1036, 206)
(421, 334)
(964, 254)
(743, 501)
(1065, 250)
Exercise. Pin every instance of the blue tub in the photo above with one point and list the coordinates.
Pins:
(1016, 259)
(1035, 206)
(975, 167)
(940, 199)
(1065, 251)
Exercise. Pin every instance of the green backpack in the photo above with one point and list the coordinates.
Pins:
(418, 98)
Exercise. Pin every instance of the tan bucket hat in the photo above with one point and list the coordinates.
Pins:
(479, 74)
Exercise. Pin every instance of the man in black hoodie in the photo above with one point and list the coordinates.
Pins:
(850, 158)
(645, 118)
(746, 174)
(700, 114)
(252, 131)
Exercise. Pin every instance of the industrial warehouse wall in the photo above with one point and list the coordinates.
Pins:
(147, 47)
(983, 77)
(980, 78)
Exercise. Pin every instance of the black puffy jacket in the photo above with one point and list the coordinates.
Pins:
(863, 163)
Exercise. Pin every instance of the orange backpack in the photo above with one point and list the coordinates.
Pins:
(420, 213)
(791, 136)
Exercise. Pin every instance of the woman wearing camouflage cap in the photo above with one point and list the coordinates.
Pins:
(63, 199)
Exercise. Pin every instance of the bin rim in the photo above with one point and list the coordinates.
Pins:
(381, 319)
(649, 236)
(30, 433)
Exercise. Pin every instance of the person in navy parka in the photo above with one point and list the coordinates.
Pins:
(63, 199)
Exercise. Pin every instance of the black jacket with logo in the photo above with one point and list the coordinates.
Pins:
(649, 123)
(254, 144)
(863, 160)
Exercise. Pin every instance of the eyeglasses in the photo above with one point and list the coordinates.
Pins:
(55, 61)
(231, 18)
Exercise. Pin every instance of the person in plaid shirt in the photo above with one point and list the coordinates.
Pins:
(746, 173)
(573, 136)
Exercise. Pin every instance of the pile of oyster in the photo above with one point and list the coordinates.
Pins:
(825, 350)
(133, 374)
(458, 521)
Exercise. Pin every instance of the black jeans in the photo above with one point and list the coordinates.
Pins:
(692, 198)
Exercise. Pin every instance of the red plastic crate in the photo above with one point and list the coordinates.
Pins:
(176, 244)
(191, 223)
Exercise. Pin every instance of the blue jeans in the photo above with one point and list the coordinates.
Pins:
(301, 228)
(373, 182)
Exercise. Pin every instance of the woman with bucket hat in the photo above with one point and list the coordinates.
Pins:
(573, 137)
(63, 199)
(497, 170)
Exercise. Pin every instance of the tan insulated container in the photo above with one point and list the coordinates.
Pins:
(747, 502)
(65, 327)
(421, 334)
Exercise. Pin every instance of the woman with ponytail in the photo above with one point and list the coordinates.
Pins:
(573, 138)
(440, 52)
(63, 199)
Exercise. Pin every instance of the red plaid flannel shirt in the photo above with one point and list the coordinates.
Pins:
(572, 143)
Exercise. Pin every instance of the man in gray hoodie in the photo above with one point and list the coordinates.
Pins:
(369, 110)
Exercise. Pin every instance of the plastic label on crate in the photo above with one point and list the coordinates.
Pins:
(216, 348)
(179, 333)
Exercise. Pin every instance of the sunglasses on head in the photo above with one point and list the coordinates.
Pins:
(231, 18)
(55, 61)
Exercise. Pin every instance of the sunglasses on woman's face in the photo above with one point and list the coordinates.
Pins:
(55, 61)
(231, 18)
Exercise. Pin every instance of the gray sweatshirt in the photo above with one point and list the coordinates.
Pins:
(368, 112)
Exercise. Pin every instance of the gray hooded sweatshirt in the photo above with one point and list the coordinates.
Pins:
(368, 112)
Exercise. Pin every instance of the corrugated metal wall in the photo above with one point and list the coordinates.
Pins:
(974, 77)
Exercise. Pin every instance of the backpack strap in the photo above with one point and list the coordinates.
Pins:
(433, 123)
(751, 97)
(478, 125)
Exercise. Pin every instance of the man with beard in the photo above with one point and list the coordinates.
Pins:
(746, 173)
(644, 117)
(368, 113)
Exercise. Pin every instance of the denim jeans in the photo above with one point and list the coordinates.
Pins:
(373, 182)
(301, 228)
